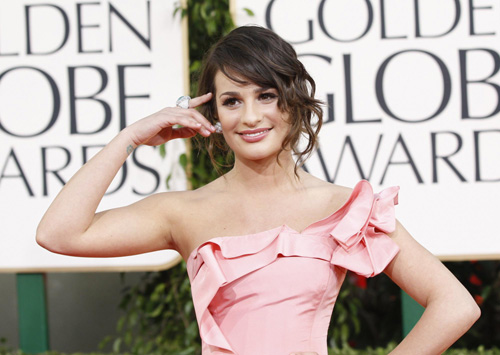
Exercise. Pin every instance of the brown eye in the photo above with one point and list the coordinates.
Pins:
(229, 102)
(268, 96)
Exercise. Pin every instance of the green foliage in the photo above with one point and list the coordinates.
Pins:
(378, 311)
(208, 21)
(482, 279)
(379, 308)
(3, 347)
(158, 316)
(345, 320)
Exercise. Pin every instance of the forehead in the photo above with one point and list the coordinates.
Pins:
(224, 83)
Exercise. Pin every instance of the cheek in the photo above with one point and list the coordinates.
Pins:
(275, 113)
(228, 118)
(284, 120)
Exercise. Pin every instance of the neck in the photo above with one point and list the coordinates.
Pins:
(263, 176)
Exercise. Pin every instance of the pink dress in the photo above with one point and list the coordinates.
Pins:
(273, 292)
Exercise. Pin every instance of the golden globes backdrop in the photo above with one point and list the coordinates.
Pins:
(413, 99)
(72, 75)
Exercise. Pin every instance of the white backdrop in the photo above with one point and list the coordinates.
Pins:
(413, 89)
(72, 75)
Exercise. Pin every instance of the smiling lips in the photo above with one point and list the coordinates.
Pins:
(254, 135)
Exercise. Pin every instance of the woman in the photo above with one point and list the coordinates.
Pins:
(267, 245)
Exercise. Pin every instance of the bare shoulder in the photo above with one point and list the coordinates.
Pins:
(174, 206)
(190, 199)
(333, 194)
(191, 214)
(164, 203)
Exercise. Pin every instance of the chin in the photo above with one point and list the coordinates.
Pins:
(258, 156)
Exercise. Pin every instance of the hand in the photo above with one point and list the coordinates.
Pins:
(158, 128)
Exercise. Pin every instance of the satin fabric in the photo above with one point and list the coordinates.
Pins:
(273, 292)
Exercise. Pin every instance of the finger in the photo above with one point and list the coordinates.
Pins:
(202, 119)
(200, 100)
(198, 117)
(196, 126)
(169, 117)
(202, 130)
(182, 120)
(183, 132)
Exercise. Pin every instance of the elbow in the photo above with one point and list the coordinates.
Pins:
(474, 312)
(58, 241)
(457, 309)
(470, 313)
(48, 240)
(43, 238)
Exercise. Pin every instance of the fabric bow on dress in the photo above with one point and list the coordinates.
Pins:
(361, 233)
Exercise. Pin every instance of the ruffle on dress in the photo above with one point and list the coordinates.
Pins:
(354, 237)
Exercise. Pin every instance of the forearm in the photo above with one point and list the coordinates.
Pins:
(71, 226)
(444, 321)
(73, 210)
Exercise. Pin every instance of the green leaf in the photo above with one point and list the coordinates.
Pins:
(116, 345)
(121, 323)
(195, 66)
(163, 150)
(183, 160)
(157, 311)
(102, 343)
(128, 338)
(211, 28)
(203, 11)
(167, 181)
(133, 319)
(344, 333)
(176, 10)
(248, 11)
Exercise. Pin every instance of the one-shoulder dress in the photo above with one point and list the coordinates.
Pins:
(273, 292)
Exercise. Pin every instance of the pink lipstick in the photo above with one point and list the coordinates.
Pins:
(254, 135)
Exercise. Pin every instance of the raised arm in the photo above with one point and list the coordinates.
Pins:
(70, 226)
(449, 308)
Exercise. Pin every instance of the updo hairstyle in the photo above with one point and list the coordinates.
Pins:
(252, 54)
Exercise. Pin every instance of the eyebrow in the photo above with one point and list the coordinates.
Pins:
(236, 93)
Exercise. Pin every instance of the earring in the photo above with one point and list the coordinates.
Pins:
(218, 127)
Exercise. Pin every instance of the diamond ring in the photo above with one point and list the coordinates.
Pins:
(183, 102)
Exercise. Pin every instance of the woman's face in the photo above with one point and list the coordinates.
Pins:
(253, 125)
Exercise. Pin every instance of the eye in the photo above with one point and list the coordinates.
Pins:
(230, 102)
(268, 96)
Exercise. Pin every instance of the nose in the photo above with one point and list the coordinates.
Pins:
(251, 115)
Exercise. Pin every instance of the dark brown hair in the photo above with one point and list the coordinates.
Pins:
(256, 55)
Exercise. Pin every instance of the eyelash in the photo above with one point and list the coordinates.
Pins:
(231, 101)
(270, 95)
